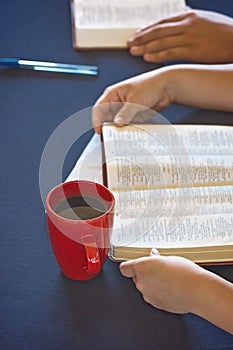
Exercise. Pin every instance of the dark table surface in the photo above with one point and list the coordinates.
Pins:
(39, 307)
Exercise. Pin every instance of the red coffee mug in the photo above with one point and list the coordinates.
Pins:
(80, 246)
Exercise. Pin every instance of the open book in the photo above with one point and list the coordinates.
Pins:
(109, 23)
(173, 186)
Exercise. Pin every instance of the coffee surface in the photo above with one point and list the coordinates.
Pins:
(80, 208)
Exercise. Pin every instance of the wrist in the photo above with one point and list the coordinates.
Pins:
(170, 81)
(200, 303)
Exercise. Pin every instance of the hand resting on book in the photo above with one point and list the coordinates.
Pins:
(197, 36)
(178, 285)
(202, 86)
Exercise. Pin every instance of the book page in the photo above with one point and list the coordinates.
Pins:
(162, 172)
(89, 164)
(168, 139)
(159, 156)
(174, 217)
(123, 14)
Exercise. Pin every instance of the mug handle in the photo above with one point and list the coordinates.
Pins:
(92, 254)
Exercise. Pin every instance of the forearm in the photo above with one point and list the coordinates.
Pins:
(201, 86)
(214, 301)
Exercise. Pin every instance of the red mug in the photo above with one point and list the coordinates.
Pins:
(80, 243)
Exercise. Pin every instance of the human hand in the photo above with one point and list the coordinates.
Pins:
(168, 283)
(197, 36)
(178, 285)
(132, 99)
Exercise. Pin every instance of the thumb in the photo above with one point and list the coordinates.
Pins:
(127, 268)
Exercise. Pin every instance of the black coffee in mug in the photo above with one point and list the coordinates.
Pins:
(80, 208)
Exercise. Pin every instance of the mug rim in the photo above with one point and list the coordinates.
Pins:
(48, 206)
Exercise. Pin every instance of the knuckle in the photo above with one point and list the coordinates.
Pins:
(138, 269)
(160, 44)
(139, 286)
(139, 272)
(191, 14)
(156, 46)
(138, 40)
(156, 57)
(144, 48)
(146, 299)
(131, 93)
(108, 90)
(191, 19)
(166, 55)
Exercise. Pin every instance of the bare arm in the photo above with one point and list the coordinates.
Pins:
(178, 285)
(202, 86)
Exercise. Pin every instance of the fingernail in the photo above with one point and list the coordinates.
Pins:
(119, 119)
(130, 40)
(134, 49)
(154, 251)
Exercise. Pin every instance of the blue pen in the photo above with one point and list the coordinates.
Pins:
(49, 66)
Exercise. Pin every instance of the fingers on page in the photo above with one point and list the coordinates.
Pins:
(126, 114)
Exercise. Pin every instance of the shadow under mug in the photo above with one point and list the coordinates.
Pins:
(80, 246)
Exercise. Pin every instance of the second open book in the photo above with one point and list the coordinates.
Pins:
(109, 23)
(173, 186)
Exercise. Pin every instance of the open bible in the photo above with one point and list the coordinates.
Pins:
(109, 23)
(173, 186)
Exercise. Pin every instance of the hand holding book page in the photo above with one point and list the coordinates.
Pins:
(109, 23)
(193, 85)
(170, 172)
